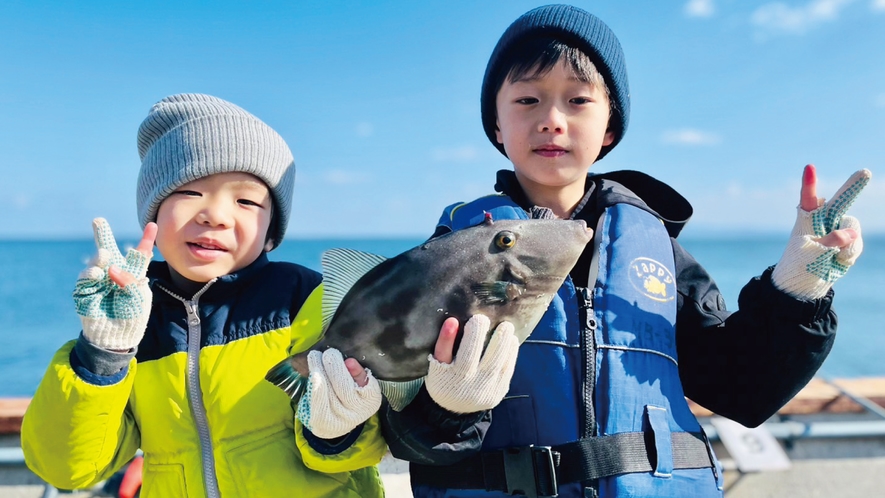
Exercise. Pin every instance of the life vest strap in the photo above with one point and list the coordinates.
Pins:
(538, 470)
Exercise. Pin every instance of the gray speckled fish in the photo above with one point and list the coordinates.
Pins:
(387, 313)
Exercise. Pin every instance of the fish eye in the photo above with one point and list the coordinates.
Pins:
(505, 240)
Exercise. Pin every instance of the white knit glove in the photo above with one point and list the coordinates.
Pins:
(113, 317)
(475, 381)
(807, 268)
(333, 404)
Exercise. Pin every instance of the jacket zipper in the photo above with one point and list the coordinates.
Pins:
(588, 346)
(195, 392)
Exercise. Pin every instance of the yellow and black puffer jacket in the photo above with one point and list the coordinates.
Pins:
(195, 401)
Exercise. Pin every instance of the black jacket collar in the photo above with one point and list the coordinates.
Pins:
(224, 286)
(606, 189)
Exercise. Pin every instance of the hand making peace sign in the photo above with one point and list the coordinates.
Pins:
(825, 242)
(112, 295)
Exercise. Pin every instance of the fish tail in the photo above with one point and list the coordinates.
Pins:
(286, 377)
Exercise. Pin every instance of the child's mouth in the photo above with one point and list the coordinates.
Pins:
(205, 246)
(550, 151)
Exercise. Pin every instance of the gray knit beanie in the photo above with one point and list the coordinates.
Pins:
(574, 27)
(190, 136)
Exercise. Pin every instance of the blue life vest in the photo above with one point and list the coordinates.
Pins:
(619, 377)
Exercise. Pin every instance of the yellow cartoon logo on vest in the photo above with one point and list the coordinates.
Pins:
(653, 279)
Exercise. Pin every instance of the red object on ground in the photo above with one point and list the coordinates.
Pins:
(131, 482)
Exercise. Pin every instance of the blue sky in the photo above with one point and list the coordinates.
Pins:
(379, 101)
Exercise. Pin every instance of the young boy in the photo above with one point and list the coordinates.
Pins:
(172, 356)
(595, 405)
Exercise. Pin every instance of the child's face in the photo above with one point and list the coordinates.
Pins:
(214, 226)
(552, 127)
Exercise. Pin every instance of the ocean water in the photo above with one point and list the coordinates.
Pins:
(37, 314)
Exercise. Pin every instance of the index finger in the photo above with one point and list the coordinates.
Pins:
(146, 246)
(847, 193)
(104, 237)
(445, 344)
(808, 200)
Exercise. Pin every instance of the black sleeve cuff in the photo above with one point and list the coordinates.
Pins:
(88, 359)
(332, 446)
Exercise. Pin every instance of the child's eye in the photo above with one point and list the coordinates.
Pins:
(192, 193)
(527, 101)
(580, 100)
(247, 202)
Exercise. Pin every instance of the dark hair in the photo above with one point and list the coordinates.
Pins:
(272, 229)
(536, 57)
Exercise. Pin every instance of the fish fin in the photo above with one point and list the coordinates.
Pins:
(341, 269)
(400, 394)
(491, 292)
(284, 376)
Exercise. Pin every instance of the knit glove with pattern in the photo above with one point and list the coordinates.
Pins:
(333, 403)
(475, 381)
(113, 317)
(807, 268)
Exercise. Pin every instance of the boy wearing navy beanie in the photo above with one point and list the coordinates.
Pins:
(595, 406)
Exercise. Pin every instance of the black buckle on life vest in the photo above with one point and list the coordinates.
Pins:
(530, 471)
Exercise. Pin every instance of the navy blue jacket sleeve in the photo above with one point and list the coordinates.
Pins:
(424, 432)
(747, 364)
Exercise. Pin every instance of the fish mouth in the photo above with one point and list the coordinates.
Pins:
(587, 232)
(510, 275)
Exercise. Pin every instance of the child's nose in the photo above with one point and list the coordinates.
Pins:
(215, 215)
(553, 120)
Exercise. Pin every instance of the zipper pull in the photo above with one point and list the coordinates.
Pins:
(586, 302)
(193, 315)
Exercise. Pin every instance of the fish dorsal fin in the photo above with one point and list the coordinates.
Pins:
(341, 269)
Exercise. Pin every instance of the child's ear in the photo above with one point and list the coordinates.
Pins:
(498, 136)
(608, 138)
(268, 246)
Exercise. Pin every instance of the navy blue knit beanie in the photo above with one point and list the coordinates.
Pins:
(574, 27)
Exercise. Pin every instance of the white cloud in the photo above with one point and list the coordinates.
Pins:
(342, 177)
(364, 129)
(688, 136)
(464, 153)
(878, 5)
(778, 17)
(880, 100)
(699, 8)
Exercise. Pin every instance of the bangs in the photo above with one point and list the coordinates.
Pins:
(535, 58)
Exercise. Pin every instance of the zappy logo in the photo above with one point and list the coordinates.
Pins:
(652, 279)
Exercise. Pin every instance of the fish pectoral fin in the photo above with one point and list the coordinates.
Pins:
(400, 394)
(341, 270)
(497, 292)
(284, 376)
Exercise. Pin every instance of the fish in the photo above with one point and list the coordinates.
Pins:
(387, 313)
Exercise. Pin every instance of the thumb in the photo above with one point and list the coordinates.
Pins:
(850, 252)
(445, 344)
(120, 277)
(359, 374)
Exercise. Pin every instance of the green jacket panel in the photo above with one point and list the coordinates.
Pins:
(77, 433)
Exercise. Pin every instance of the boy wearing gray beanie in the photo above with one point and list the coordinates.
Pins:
(595, 406)
(173, 353)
